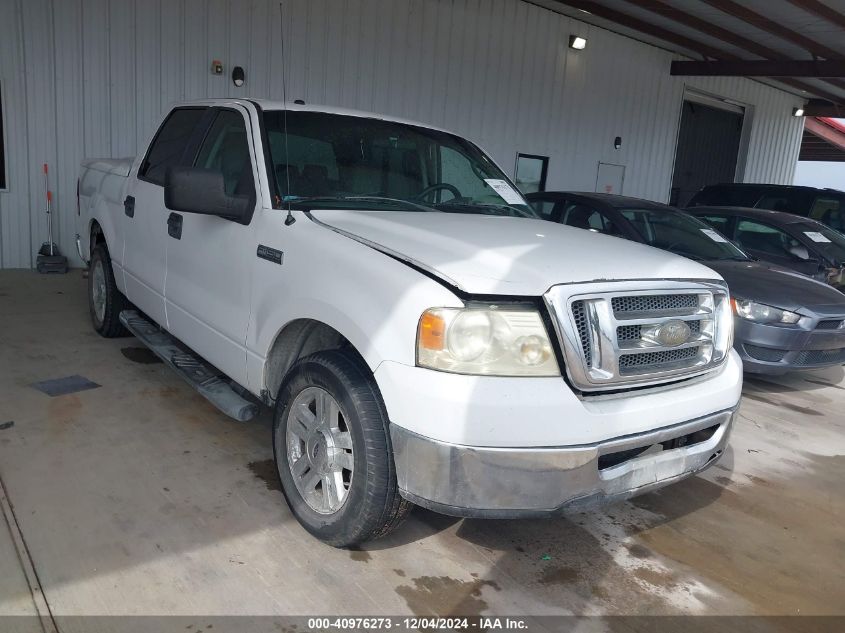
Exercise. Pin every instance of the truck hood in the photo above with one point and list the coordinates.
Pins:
(779, 287)
(483, 254)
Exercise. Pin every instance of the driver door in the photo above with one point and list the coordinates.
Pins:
(208, 286)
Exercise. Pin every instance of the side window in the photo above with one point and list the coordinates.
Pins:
(582, 216)
(531, 172)
(544, 208)
(769, 239)
(226, 149)
(168, 146)
(829, 210)
(718, 222)
(790, 203)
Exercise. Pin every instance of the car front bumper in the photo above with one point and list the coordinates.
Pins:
(775, 349)
(496, 482)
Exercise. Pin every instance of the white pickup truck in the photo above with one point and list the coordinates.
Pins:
(422, 337)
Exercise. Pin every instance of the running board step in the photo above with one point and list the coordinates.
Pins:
(191, 368)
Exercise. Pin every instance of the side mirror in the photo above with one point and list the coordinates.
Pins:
(198, 190)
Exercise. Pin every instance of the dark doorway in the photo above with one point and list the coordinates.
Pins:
(708, 146)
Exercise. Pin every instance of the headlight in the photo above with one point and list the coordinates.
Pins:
(485, 340)
(762, 313)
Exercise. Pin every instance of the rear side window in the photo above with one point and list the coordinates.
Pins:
(797, 201)
(168, 146)
(829, 210)
(774, 202)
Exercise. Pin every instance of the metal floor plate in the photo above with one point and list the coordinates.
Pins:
(64, 386)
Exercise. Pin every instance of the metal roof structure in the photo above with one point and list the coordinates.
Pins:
(824, 140)
(796, 45)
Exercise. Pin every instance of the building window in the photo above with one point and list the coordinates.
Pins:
(531, 172)
(2, 144)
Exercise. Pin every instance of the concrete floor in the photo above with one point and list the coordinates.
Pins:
(138, 497)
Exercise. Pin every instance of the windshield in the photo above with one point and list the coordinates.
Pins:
(680, 233)
(824, 240)
(350, 162)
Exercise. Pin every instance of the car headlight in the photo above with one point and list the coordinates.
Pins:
(761, 313)
(485, 340)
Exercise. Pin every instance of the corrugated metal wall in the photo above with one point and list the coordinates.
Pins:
(92, 77)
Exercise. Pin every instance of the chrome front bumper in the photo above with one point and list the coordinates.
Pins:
(474, 481)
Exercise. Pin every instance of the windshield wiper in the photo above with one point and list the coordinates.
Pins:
(407, 203)
(487, 205)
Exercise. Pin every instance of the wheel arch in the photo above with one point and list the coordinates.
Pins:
(95, 236)
(298, 339)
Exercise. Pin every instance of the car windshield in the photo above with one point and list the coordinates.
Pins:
(680, 233)
(827, 241)
(352, 162)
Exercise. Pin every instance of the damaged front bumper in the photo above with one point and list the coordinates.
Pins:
(497, 482)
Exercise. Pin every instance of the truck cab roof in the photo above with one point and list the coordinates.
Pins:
(294, 106)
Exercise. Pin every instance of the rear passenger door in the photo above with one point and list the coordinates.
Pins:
(144, 214)
(208, 286)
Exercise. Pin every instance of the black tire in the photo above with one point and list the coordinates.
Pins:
(108, 325)
(373, 506)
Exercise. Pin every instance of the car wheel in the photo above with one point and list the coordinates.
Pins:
(104, 299)
(332, 448)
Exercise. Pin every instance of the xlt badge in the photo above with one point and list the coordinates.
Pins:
(270, 254)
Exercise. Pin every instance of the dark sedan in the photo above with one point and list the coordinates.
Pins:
(785, 239)
(783, 320)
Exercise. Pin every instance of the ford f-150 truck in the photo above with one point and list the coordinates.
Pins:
(423, 338)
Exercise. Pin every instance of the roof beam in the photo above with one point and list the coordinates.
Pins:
(764, 68)
(666, 35)
(714, 30)
(822, 10)
(736, 10)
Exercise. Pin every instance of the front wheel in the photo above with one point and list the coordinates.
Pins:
(332, 448)
(105, 301)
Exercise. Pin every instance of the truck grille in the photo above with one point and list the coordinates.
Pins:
(581, 325)
(651, 303)
(648, 333)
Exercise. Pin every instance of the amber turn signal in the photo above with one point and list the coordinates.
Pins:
(432, 334)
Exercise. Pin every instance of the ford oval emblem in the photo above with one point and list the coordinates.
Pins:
(672, 333)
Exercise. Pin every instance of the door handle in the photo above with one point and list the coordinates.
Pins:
(129, 206)
(174, 226)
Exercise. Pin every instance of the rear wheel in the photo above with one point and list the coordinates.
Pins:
(105, 301)
(333, 454)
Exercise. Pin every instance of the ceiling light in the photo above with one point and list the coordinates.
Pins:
(797, 111)
(577, 42)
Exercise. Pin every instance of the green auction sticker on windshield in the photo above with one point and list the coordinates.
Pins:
(713, 235)
(817, 237)
(507, 193)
